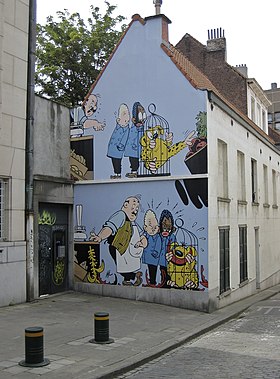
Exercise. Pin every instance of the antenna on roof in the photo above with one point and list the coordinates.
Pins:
(158, 4)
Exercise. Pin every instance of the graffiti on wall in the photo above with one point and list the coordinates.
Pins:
(46, 218)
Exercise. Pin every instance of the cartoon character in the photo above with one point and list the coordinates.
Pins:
(83, 117)
(181, 266)
(156, 151)
(118, 140)
(122, 234)
(167, 230)
(151, 242)
(132, 149)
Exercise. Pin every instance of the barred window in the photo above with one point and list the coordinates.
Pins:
(224, 260)
(3, 199)
(243, 253)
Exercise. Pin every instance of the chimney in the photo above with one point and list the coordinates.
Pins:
(216, 41)
(243, 69)
(273, 85)
(158, 4)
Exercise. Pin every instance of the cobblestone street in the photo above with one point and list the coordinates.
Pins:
(247, 347)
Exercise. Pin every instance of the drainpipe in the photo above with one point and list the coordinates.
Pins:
(30, 106)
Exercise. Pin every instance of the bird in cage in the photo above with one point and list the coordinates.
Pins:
(181, 266)
(157, 150)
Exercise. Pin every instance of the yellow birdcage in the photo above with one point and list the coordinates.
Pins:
(154, 145)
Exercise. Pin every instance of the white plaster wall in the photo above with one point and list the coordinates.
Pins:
(267, 219)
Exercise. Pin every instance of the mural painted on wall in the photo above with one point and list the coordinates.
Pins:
(141, 140)
(150, 240)
(148, 143)
(85, 117)
(81, 158)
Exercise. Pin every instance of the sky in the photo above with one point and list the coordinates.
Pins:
(250, 28)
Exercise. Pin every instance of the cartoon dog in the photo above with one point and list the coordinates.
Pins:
(181, 266)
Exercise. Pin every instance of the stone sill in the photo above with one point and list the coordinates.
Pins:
(224, 294)
(242, 202)
(244, 283)
(223, 199)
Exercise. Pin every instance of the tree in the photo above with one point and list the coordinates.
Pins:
(70, 53)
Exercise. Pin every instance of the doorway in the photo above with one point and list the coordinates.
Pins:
(53, 249)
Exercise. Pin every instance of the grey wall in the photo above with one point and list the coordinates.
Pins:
(51, 139)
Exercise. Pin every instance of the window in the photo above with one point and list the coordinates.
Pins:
(254, 181)
(265, 184)
(269, 118)
(277, 125)
(224, 260)
(3, 198)
(263, 120)
(222, 170)
(277, 116)
(274, 187)
(241, 176)
(243, 253)
(253, 110)
(258, 119)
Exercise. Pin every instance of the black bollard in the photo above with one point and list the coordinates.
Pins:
(34, 348)
(101, 328)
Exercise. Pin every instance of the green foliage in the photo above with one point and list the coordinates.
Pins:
(201, 124)
(71, 52)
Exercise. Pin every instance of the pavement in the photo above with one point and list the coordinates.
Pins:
(141, 332)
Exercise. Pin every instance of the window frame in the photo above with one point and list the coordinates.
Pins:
(243, 256)
(241, 176)
(224, 254)
(254, 181)
(3, 209)
(223, 169)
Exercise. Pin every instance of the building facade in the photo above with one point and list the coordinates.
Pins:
(183, 204)
(14, 18)
(52, 200)
(273, 95)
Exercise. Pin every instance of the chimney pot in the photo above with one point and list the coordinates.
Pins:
(216, 41)
(158, 4)
(242, 69)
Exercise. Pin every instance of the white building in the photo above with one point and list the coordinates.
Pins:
(224, 203)
(14, 18)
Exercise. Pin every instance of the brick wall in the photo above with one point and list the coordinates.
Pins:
(230, 83)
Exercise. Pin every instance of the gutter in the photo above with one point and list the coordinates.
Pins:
(29, 152)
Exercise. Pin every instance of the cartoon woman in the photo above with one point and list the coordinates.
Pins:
(167, 230)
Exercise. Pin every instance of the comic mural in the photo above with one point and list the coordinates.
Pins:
(141, 140)
(153, 234)
(147, 235)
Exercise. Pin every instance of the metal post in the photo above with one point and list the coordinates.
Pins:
(34, 348)
(101, 328)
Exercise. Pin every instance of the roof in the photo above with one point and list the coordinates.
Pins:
(199, 81)
(196, 78)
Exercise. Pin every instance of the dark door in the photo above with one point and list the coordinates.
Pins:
(53, 249)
